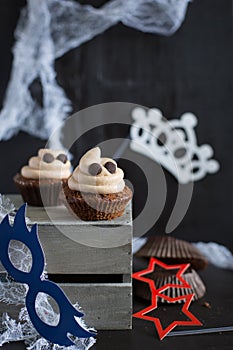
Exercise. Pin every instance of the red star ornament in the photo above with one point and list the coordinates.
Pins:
(153, 261)
(162, 332)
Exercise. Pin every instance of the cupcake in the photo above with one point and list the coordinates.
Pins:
(40, 181)
(96, 190)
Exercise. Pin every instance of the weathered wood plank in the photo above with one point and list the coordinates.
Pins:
(73, 246)
(106, 306)
(65, 256)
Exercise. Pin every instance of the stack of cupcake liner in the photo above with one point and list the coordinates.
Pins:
(170, 251)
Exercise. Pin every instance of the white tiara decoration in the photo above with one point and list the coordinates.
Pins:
(173, 144)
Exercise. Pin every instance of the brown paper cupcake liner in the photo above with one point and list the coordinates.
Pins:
(44, 192)
(92, 207)
(142, 289)
(171, 250)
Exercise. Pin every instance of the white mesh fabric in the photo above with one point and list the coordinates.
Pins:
(49, 28)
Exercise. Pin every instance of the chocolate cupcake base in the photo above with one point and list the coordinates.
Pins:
(43, 192)
(93, 207)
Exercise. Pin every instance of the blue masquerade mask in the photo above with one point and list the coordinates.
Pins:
(67, 323)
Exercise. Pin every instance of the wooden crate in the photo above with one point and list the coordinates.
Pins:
(80, 260)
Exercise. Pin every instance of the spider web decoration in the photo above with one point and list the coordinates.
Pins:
(6, 206)
(47, 29)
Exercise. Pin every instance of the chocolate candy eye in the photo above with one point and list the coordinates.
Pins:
(95, 169)
(48, 158)
(111, 167)
(62, 157)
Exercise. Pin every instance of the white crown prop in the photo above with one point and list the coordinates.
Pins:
(173, 144)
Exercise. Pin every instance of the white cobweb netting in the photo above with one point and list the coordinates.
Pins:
(6, 206)
(49, 28)
(217, 254)
(14, 293)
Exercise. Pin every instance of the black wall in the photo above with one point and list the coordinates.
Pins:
(190, 71)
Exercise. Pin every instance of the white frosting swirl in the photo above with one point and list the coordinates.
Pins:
(103, 183)
(37, 168)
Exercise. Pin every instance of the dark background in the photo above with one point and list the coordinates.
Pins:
(190, 71)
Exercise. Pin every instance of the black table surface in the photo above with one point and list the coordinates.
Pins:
(144, 336)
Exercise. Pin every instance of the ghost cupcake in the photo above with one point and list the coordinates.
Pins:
(40, 182)
(96, 190)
